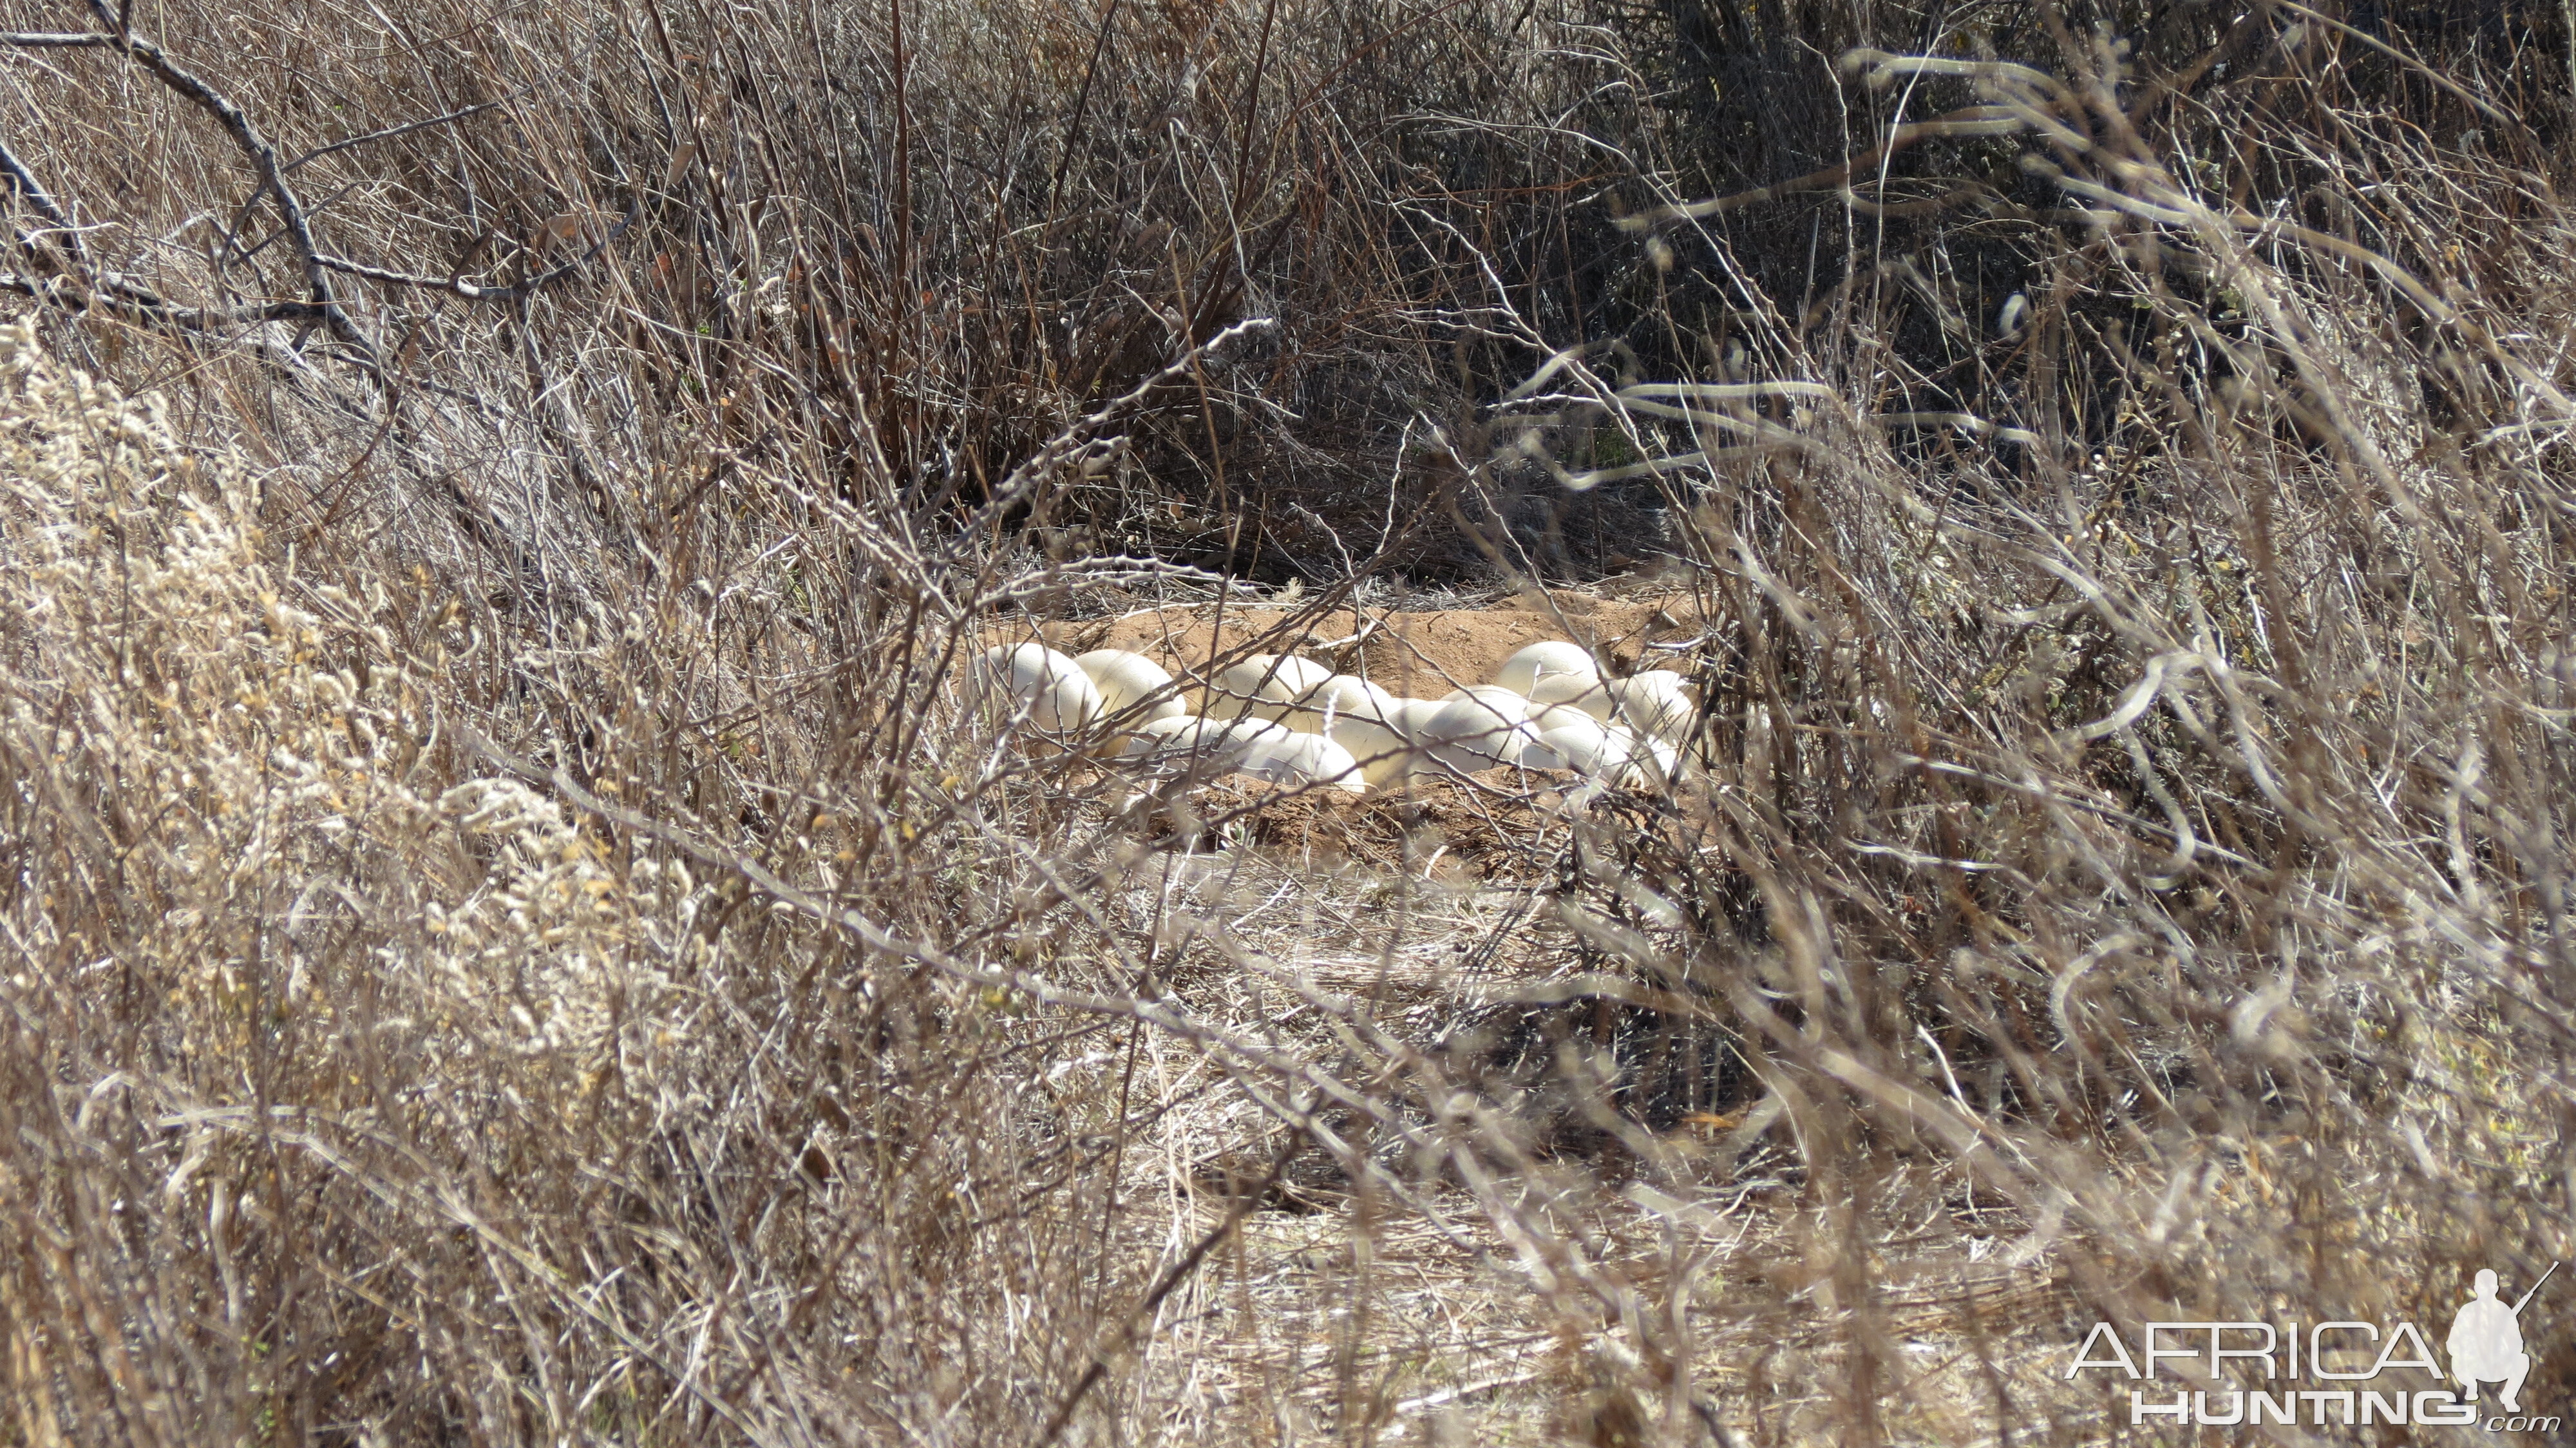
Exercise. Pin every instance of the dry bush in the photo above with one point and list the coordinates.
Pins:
(510, 943)
(602, 261)
(2110, 799)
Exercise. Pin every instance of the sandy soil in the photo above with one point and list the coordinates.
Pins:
(1483, 823)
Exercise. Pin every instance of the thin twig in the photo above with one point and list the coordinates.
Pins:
(263, 158)
(389, 132)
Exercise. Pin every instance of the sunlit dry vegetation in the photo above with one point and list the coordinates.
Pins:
(509, 932)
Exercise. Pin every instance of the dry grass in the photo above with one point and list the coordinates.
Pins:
(509, 940)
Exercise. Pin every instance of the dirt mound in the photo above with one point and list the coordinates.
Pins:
(1422, 654)
(1489, 824)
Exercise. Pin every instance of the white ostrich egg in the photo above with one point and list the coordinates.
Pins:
(1478, 728)
(1337, 696)
(1265, 686)
(1124, 679)
(1052, 690)
(1523, 671)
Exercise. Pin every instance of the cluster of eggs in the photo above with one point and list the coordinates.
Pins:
(1291, 720)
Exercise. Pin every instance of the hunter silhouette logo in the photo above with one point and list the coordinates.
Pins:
(2340, 1373)
(2486, 1341)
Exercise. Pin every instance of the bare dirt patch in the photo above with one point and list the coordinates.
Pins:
(1487, 826)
